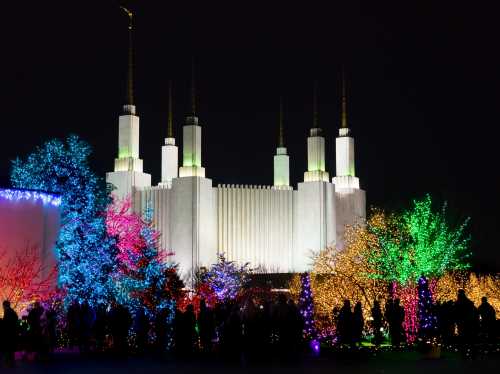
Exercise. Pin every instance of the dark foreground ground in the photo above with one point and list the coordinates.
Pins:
(381, 363)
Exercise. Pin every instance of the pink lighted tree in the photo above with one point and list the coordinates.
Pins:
(126, 227)
(143, 272)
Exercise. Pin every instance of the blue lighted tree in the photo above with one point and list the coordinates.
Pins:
(226, 278)
(85, 254)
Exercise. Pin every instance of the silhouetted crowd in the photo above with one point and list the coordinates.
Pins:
(235, 330)
(454, 322)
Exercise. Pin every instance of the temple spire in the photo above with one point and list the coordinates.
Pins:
(130, 81)
(315, 105)
(344, 102)
(281, 141)
(170, 130)
(193, 89)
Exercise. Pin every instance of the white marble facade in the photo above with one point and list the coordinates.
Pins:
(273, 227)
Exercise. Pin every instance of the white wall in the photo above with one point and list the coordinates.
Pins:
(160, 200)
(193, 226)
(350, 210)
(126, 181)
(255, 224)
(315, 221)
(29, 226)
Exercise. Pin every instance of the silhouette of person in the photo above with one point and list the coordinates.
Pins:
(35, 329)
(161, 328)
(296, 323)
(120, 321)
(395, 315)
(86, 317)
(263, 327)
(345, 324)
(466, 317)
(487, 317)
(185, 332)
(73, 324)
(377, 323)
(280, 321)
(190, 329)
(206, 325)
(51, 327)
(357, 323)
(445, 319)
(250, 329)
(141, 327)
(100, 327)
(10, 331)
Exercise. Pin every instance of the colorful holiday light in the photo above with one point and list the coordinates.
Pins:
(391, 249)
(85, 253)
(417, 243)
(16, 195)
(340, 274)
(306, 308)
(24, 278)
(226, 278)
(475, 287)
(143, 272)
(408, 295)
(426, 315)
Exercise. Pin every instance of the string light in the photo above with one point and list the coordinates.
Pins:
(416, 243)
(475, 287)
(306, 308)
(391, 249)
(84, 252)
(226, 278)
(426, 316)
(16, 195)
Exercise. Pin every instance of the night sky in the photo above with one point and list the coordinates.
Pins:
(423, 86)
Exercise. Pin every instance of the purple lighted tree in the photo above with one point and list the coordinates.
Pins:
(306, 307)
(426, 316)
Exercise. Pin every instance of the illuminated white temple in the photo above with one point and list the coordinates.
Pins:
(274, 227)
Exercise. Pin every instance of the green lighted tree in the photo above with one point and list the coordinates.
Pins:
(418, 242)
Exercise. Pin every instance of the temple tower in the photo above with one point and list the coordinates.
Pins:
(315, 207)
(194, 212)
(315, 148)
(128, 172)
(169, 152)
(351, 200)
(281, 158)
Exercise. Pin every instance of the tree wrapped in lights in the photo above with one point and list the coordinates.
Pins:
(24, 278)
(340, 274)
(475, 286)
(306, 308)
(144, 278)
(85, 254)
(417, 243)
(390, 250)
(426, 315)
(226, 278)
